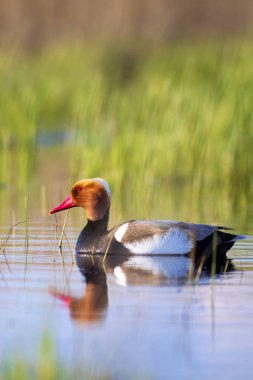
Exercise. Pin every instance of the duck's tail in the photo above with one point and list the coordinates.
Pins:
(225, 242)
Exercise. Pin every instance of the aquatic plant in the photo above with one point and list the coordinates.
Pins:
(170, 129)
(45, 367)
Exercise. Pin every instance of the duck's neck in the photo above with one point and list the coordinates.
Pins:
(101, 224)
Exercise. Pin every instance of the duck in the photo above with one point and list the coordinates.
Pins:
(143, 237)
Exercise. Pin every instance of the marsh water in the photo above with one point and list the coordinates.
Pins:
(129, 318)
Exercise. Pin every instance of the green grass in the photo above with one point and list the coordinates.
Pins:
(46, 367)
(170, 129)
(18, 369)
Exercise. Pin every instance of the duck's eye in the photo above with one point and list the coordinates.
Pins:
(79, 189)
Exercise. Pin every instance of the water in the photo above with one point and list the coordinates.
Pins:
(131, 318)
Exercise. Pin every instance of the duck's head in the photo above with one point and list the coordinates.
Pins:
(93, 195)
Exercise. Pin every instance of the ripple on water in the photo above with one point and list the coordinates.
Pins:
(143, 311)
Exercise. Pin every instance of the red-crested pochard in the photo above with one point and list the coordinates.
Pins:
(141, 236)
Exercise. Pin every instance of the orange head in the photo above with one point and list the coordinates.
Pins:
(93, 195)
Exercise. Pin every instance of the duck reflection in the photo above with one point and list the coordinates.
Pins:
(123, 270)
(152, 270)
(93, 304)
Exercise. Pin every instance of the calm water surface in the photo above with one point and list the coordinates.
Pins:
(131, 317)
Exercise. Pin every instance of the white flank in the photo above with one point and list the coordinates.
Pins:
(120, 276)
(121, 232)
(173, 266)
(105, 185)
(175, 241)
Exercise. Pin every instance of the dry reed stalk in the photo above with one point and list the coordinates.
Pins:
(226, 266)
(199, 271)
(26, 239)
(64, 234)
(14, 231)
(107, 249)
(63, 228)
(55, 237)
(4, 244)
(192, 258)
(57, 226)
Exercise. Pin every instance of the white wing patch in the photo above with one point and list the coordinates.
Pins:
(121, 232)
(175, 241)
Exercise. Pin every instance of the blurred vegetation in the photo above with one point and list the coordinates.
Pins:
(46, 367)
(169, 128)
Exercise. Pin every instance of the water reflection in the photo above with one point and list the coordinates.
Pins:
(93, 304)
(125, 270)
(152, 270)
(124, 308)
